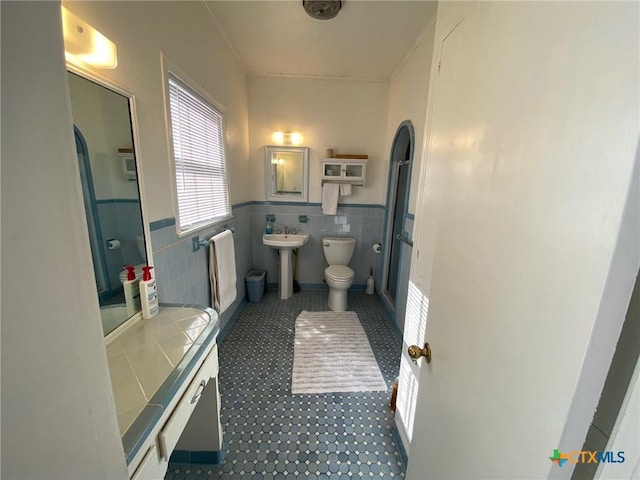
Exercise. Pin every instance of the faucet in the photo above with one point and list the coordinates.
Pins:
(286, 230)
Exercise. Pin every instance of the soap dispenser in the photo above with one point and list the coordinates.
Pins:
(148, 294)
(131, 291)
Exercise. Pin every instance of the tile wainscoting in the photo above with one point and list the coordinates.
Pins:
(182, 274)
(365, 223)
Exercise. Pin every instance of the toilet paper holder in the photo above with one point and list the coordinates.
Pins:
(113, 244)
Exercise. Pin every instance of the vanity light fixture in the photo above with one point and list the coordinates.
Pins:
(287, 138)
(84, 45)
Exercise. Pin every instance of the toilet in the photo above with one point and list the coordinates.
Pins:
(339, 277)
(137, 268)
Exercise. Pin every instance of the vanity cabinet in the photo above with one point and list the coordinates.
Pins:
(342, 170)
(179, 412)
(161, 444)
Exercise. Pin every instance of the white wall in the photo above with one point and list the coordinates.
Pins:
(185, 32)
(408, 101)
(58, 414)
(348, 116)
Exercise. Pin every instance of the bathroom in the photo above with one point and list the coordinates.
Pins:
(57, 386)
(353, 116)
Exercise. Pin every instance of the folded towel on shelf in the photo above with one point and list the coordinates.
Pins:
(345, 189)
(330, 198)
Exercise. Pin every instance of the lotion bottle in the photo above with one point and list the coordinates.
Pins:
(131, 291)
(370, 284)
(148, 294)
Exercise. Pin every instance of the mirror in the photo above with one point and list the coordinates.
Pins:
(104, 143)
(286, 173)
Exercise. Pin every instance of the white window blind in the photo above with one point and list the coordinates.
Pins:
(199, 157)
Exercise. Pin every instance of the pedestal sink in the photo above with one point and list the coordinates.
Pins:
(285, 243)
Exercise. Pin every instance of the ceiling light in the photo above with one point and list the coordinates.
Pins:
(322, 9)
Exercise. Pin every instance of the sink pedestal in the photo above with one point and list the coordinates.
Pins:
(285, 243)
(285, 286)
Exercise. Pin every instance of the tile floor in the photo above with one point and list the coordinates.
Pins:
(270, 433)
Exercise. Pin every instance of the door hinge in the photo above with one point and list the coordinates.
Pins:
(439, 65)
(417, 254)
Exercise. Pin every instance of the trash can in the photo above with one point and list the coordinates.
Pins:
(255, 284)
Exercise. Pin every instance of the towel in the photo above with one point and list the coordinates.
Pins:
(345, 189)
(330, 198)
(222, 270)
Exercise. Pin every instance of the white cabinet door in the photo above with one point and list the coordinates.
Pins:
(152, 466)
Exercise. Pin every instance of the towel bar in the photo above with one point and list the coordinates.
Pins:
(197, 243)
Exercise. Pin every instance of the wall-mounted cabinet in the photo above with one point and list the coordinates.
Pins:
(341, 170)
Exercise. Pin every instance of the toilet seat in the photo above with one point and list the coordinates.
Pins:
(339, 273)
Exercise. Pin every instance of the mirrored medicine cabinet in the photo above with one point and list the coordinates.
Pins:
(103, 128)
(286, 173)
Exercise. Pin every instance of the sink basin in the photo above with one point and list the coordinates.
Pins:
(285, 240)
(285, 243)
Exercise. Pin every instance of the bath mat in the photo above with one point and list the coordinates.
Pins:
(331, 353)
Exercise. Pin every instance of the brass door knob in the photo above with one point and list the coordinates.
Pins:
(415, 352)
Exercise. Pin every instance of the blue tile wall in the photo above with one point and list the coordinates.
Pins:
(182, 274)
(363, 222)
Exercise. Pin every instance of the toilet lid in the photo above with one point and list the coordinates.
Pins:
(339, 272)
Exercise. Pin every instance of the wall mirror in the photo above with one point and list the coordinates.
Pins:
(286, 173)
(104, 143)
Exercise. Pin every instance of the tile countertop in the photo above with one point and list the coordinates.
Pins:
(149, 362)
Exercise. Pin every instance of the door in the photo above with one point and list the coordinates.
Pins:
(93, 222)
(511, 292)
(398, 201)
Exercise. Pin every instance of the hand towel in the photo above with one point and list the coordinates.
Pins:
(330, 198)
(345, 189)
(222, 270)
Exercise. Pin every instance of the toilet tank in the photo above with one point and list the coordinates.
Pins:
(338, 250)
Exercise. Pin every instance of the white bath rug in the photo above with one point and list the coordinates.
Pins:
(331, 353)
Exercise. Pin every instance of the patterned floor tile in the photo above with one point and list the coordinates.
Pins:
(270, 433)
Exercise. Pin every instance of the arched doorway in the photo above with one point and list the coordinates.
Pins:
(397, 205)
(91, 211)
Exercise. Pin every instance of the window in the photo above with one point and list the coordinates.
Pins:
(202, 189)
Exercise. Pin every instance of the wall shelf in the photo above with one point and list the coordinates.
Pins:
(343, 170)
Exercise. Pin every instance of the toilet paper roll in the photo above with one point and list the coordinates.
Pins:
(113, 244)
(377, 247)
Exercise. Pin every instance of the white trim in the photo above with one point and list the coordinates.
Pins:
(224, 35)
(333, 78)
(430, 24)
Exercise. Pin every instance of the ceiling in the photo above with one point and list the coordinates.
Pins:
(367, 40)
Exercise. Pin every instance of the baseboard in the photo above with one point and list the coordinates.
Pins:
(404, 458)
(234, 316)
(186, 457)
